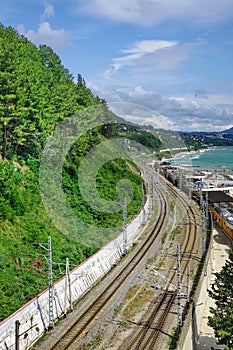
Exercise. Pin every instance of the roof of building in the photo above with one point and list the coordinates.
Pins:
(218, 197)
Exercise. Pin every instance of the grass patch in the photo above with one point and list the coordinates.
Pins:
(159, 265)
(117, 310)
(164, 237)
(124, 324)
(172, 207)
(172, 342)
(132, 291)
(95, 342)
(139, 296)
(174, 233)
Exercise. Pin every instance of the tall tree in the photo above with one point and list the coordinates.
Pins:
(8, 47)
(84, 96)
(36, 94)
(221, 319)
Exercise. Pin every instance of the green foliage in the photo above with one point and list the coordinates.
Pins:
(143, 137)
(12, 194)
(221, 319)
(172, 342)
(108, 176)
(23, 264)
(84, 97)
(36, 94)
(24, 223)
(197, 141)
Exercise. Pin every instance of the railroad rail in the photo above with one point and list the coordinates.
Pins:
(70, 337)
(192, 224)
(148, 335)
(153, 327)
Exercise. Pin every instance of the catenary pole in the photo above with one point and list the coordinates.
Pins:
(125, 238)
(50, 281)
(178, 275)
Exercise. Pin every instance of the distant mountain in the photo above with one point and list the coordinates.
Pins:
(228, 131)
(197, 133)
(206, 133)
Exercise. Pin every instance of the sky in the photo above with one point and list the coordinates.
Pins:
(167, 63)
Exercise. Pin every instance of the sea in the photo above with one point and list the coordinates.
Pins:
(211, 159)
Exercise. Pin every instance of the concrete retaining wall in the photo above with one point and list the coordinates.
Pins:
(34, 316)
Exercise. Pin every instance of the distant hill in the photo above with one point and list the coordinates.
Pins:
(206, 133)
(228, 131)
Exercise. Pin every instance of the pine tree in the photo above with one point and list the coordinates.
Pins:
(222, 315)
(84, 96)
(8, 98)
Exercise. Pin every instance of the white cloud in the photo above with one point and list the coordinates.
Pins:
(148, 46)
(140, 114)
(185, 113)
(128, 58)
(111, 70)
(45, 35)
(168, 60)
(137, 51)
(57, 39)
(147, 12)
(48, 11)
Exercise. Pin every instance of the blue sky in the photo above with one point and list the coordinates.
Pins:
(172, 57)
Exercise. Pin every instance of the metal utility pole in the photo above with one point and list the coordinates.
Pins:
(203, 229)
(180, 179)
(216, 177)
(17, 324)
(158, 172)
(152, 184)
(125, 238)
(152, 193)
(50, 280)
(178, 275)
(143, 206)
(67, 284)
(189, 187)
(201, 198)
(207, 207)
(203, 226)
(188, 283)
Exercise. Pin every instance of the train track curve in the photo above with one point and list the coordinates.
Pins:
(70, 337)
(154, 325)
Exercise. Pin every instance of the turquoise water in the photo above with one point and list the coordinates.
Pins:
(215, 158)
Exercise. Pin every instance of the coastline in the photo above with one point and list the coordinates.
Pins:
(218, 159)
(180, 155)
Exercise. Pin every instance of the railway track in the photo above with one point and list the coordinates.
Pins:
(70, 337)
(154, 326)
(191, 223)
(148, 335)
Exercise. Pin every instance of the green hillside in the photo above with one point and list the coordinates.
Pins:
(37, 93)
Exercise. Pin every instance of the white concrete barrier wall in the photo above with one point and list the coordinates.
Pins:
(34, 316)
(203, 295)
(188, 344)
